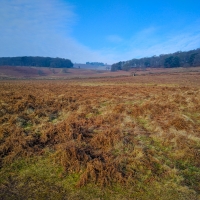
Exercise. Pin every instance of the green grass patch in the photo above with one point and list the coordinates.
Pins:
(40, 178)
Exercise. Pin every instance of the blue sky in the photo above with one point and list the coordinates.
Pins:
(98, 30)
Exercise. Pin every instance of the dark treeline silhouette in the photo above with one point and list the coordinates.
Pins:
(177, 59)
(95, 63)
(36, 61)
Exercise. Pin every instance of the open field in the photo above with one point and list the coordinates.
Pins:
(149, 71)
(10, 72)
(101, 138)
(39, 73)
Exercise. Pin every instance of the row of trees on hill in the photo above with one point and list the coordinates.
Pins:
(177, 59)
(95, 63)
(36, 61)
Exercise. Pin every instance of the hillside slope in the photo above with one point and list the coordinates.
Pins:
(172, 60)
(11, 72)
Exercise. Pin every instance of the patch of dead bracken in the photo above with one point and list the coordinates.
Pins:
(108, 132)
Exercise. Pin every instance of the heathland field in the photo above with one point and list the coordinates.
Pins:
(103, 138)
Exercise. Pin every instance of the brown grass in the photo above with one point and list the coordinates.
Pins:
(123, 131)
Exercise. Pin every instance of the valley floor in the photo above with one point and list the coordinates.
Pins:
(134, 137)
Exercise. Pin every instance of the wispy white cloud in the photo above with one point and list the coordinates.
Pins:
(45, 28)
(114, 38)
(42, 28)
(38, 17)
(148, 45)
(149, 42)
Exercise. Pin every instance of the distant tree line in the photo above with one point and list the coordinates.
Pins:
(177, 59)
(36, 61)
(95, 63)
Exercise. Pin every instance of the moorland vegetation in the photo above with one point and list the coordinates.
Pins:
(112, 138)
